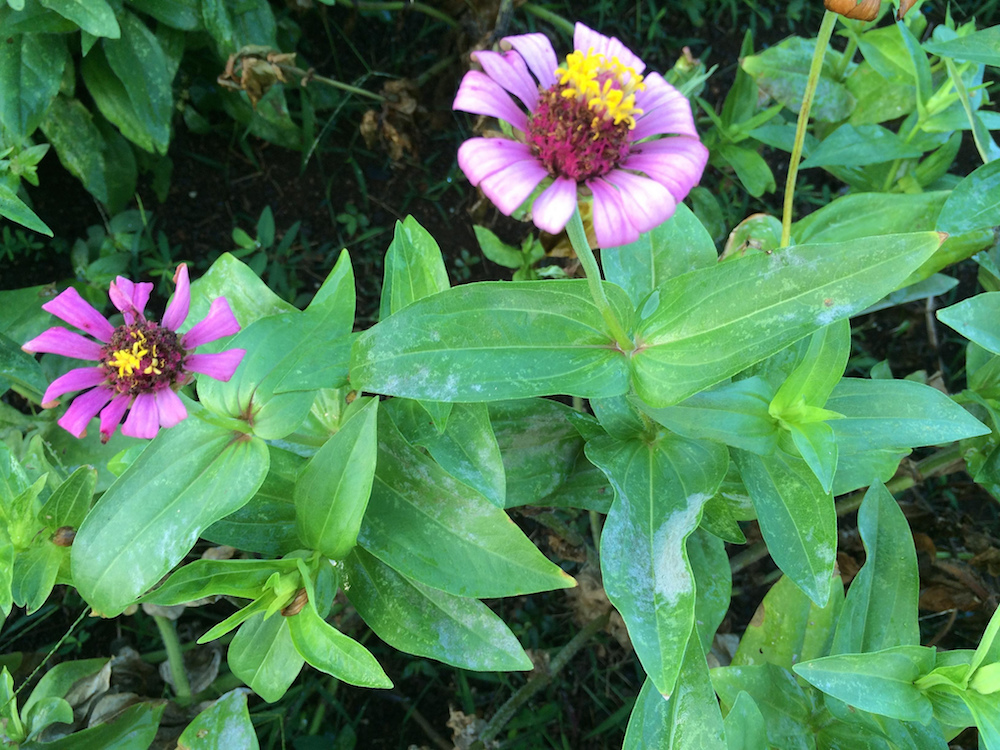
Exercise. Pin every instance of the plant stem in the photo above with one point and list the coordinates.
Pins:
(578, 238)
(175, 656)
(539, 680)
(400, 5)
(307, 76)
(822, 42)
(547, 15)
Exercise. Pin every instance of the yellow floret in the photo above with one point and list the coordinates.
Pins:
(604, 83)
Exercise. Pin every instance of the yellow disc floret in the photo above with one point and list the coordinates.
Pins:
(129, 360)
(607, 86)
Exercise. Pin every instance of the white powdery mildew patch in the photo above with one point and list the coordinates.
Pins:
(671, 574)
(831, 314)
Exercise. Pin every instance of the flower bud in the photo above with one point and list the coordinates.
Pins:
(859, 10)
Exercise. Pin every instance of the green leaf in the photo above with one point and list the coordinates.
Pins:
(988, 651)
(745, 728)
(495, 340)
(787, 709)
(263, 656)
(31, 69)
(675, 247)
(21, 369)
(921, 66)
(660, 489)
(139, 63)
(708, 328)
(189, 477)
(817, 445)
(797, 518)
(7, 555)
(35, 572)
(332, 491)
(45, 712)
(70, 129)
(57, 682)
(69, 503)
(135, 727)
(496, 250)
(14, 209)
(879, 98)
(859, 145)
(249, 298)
(870, 214)
(419, 620)
(713, 583)
(897, 413)
(820, 369)
(241, 578)
(974, 203)
(689, 719)
(113, 100)
(93, 16)
(414, 268)
(782, 71)
(224, 725)
(984, 710)
(178, 14)
(981, 46)
(881, 606)
(879, 682)
(733, 413)
(32, 18)
(750, 167)
(620, 418)
(430, 527)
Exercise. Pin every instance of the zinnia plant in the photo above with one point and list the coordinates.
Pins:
(141, 364)
(592, 129)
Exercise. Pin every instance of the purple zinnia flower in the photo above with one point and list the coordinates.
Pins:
(592, 127)
(141, 364)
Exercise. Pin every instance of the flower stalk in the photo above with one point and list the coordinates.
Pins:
(175, 655)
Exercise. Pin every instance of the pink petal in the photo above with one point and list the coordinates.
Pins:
(130, 298)
(143, 418)
(219, 322)
(481, 157)
(83, 409)
(676, 163)
(169, 407)
(647, 203)
(111, 416)
(553, 208)
(76, 311)
(508, 69)
(611, 224)
(585, 39)
(511, 186)
(220, 366)
(60, 341)
(180, 303)
(481, 95)
(536, 49)
(665, 111)
(74, 380)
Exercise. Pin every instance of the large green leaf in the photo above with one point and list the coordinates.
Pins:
(21, 369)
(249, 298)
(713, 583)
(135, 727)
(189, 477)
(78, 143)
(34, 575)
(976, 318)
(859, 145)
(224, 725)
(745, 728)
(14, 209)
(974, 203)
(31, 68)
(676, 246)
(660, 489)
(495, 340)
(93, 16)
(786, 707)
(426, 622)
(881, 607)
(241, 578)
(414, 268)
(178, 14)
(708, 327)
(982, 46)
(263, 656)
(432, 528)
(869, 214)
(332, 491)
(797, 518)
(688, 720)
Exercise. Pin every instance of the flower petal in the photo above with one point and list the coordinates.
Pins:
(180, 303)
(58, 340)
(536, 49)
(481, 95)
(143, 418)
(553, 208)
(511, 186)
(508, 69)
(665, 111)
(585, 39)
(219, 322)
(169, 407)
(220, 366)
(111, 416)
(76, 311)
(83, 409)
(74, 380)
(130, 298)
(481, 157)
(676, 163)
(647, 203)
(611, 224)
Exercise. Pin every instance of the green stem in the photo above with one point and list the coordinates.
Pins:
(852, 47)
(549, 17)
(401, 5)
(306, 76)
(175, 656)
(578, 238)
(822, 42)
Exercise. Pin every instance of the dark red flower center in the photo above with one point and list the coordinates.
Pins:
(143, 358)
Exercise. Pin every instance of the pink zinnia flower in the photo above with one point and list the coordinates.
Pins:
(592, 127)
(141, 364)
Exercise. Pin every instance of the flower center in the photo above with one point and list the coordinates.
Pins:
(142, 358)
(580, 128)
